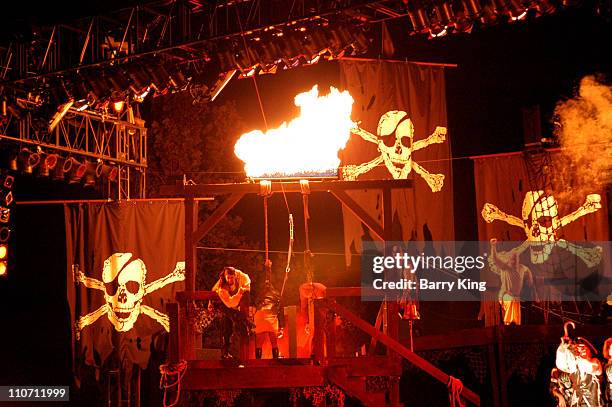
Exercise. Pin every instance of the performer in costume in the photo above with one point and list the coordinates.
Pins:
(233, 288)
(269, 317)
(575, 359)
(512, 275)
(608, 371)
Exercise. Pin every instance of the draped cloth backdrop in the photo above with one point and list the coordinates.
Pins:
(124, 263)
(505, 180)
(380, 89)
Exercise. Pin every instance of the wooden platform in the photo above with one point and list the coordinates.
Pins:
(282, 373)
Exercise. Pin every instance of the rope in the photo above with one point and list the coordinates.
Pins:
(169, 371)
(266, 238)
(455, 388)
(289, 254)
(248, 54)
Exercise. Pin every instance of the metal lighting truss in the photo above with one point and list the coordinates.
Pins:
(172, 31)
(92, 136)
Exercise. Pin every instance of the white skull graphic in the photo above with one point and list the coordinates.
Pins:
(124, 282)
(541, 222)
(398, 155)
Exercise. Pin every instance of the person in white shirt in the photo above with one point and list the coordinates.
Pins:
(232, 288)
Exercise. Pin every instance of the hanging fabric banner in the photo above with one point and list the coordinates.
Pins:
(400, 109)
(528, 198)
(125, 262)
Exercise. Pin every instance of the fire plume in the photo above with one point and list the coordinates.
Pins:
(307, 146)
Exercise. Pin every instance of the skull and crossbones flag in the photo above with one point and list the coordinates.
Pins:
(125, 262)
(400, 109)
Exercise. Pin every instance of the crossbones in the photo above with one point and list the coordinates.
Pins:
(541, 221)
(397, 158)
(123, 284)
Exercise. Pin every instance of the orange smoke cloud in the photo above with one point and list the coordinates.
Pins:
(585, 137)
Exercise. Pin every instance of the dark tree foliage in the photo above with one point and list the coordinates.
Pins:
(196, 141)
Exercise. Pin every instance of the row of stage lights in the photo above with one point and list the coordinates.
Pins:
(62, 168)
(438, 19)
(111, 92)
(6, 201)
(267, 51)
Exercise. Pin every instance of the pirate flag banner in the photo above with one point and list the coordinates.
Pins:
(125, 262)
(525, 208)
(400, 109)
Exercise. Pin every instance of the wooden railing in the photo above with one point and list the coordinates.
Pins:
(324, 338)
(326, 335)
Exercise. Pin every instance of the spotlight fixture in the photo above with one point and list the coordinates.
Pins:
(108, 172)
(7, 181)
(443, 21)
(4, 252)
(28, 160)
(5, 234)
(6, 197)
(48, 163)
(90, 172)
(418, 18)
(516, 10)
(75, 170)
(118, 101)
(5, 214)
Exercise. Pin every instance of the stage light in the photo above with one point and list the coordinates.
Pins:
(7, 181)
(543, 7)
(118, 101)
(3, 269)
(108, 172)
(419, 20)
(5, 234)
(5, 214)
(3, 251)
(6, 197)
(516, 10)
(28, 160)
(59, 114)
(443, 20)
(75, 171)
(90, 172)
(48, 163)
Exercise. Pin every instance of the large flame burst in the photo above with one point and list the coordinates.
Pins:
(307, 146)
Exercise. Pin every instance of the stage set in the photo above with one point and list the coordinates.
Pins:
(376, 203)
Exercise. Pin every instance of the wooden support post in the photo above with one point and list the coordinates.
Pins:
(291, 313)
(330, 336)
(493, 368)
(244, 339)
(319, 333)
(173, 343)
(191, 267)
(503, 376)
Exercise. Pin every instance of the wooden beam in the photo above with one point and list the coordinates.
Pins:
(282, 186)
(187, 346)
(400, 349)
(214, 218)
(272, 377)
(359, 212)
(183, 296)
(172, 308)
